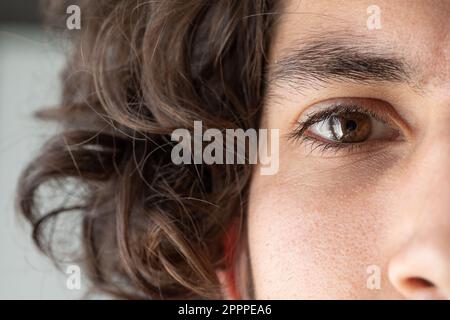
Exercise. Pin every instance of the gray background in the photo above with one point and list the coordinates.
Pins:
(30, 61)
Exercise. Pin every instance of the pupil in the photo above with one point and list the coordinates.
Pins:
(351, 125)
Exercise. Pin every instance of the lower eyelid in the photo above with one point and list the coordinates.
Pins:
(338, 150)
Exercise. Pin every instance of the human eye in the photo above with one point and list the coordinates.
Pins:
(348, 124)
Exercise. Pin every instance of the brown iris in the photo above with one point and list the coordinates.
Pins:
(351, 127)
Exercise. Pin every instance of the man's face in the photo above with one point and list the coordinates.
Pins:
(360, 205)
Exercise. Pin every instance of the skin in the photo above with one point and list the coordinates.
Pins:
(317, 225)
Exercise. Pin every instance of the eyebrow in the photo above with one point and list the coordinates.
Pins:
(347, 59)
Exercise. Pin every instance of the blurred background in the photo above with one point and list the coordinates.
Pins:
(30, 61)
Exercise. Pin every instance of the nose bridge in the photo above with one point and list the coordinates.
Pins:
(421, 267)
(428, 182)
(429, 196)
(437, 70)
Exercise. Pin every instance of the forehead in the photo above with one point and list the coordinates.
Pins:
(416, 30)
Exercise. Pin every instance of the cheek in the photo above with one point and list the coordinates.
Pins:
(313, 235)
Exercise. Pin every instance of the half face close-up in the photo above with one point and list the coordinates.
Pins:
(360, 205)
(226, 149)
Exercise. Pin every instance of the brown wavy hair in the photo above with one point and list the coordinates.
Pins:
(138, 70)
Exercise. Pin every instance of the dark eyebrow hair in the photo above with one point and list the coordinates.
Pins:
(323, 60)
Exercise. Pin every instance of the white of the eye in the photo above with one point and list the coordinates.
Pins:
(323, 129)
(326, 130)
(380, 130)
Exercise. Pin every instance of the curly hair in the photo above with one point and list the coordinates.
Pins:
(137, 70)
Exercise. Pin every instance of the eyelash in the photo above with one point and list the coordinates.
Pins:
(298, 135)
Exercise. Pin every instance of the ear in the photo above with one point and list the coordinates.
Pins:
(228, 275)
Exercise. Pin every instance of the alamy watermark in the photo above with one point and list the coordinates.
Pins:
(374, 19)
(73, 281)
(373, 281)
(73, 21)
(228, 147)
